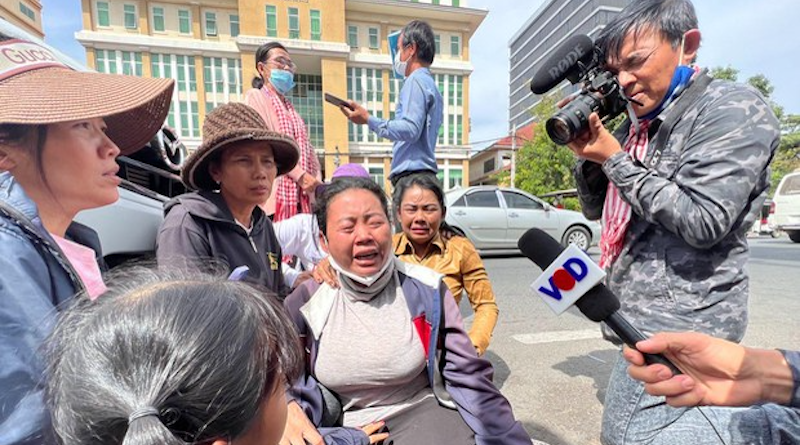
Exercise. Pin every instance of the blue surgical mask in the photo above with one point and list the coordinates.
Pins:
(680, 79)
(282, 80)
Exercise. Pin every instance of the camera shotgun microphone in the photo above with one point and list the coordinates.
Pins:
(570, 277)
(563, 64)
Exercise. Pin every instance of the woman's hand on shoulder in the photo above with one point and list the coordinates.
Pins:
(324, 273)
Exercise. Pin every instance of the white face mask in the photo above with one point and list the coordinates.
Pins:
(400, 66)
(364, 281)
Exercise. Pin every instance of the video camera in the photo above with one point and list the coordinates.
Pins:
(579, 61)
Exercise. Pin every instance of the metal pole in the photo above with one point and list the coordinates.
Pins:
(513, 154)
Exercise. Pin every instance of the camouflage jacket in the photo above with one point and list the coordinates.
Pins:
(693, 199)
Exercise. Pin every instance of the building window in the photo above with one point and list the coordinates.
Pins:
(28, 12)
(306, 97)
(102, 14)
(456, 178)
(435, 2)
(459, 91)
(352, 36)
(373, 38)
(158, 19)
(455, 3)
(272, 21)
(365, 85)
(222, 80)
(488, 166)
(234, 25)
(294, 24)
(437, 42)
(130, 16)
(377, 175)
(455, 46)
(316, 25)
(118, 62)
(184, 21)
(211, 23)
(451, 91)
(184, 114)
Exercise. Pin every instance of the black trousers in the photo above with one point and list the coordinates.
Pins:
(428, 423)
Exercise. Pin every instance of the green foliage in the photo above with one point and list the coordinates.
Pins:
(542, 165)
(787, 157)
(502, 178)
(759, 82)
(762, 84)
(727, 73)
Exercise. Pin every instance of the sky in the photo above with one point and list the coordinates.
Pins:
(754, 37)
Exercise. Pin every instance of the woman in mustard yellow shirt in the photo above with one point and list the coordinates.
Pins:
(419, 203)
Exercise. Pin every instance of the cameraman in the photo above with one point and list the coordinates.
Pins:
(677, 188)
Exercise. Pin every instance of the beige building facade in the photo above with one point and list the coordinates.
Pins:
(25, 14)
(339, 46)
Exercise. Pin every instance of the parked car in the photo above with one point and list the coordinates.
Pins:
(786, 202)
(494, 218)
(128, 228)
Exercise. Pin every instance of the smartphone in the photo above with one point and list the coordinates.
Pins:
(337, 101)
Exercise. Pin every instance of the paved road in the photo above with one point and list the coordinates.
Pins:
(554, 369)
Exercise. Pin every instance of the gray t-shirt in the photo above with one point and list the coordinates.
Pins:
(371, 356)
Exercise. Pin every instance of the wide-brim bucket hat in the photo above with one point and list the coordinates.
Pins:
(38, 89)
(225, 125)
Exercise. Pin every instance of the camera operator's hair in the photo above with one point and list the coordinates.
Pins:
(420, 32)
(202, 353)
(671, 18)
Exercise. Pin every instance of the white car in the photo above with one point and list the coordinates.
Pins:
(494, 218)
(786, 206)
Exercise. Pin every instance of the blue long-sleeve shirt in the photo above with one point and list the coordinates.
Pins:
(415, 128)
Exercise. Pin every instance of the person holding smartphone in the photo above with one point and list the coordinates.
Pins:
(418, 114)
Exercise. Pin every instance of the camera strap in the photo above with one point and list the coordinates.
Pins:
(679, 107)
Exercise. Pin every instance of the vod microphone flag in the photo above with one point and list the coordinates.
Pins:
(567, 279)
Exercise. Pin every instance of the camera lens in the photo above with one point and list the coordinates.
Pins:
(559, 130)
(572, 120)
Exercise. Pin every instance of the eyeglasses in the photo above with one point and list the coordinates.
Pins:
(283, 63)
(632, 63)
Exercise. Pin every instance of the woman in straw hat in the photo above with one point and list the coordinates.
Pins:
(60, 132)
(232, 172)
(292, 192)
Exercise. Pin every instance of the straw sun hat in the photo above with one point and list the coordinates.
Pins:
(231, 123)
(37, 89)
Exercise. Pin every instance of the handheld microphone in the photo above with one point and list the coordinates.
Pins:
(571, 277)
(563, 64)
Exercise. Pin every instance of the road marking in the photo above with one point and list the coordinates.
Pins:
(558, 336)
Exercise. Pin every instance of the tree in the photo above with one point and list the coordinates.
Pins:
(727, 73)
(542, 165)
(787, 157)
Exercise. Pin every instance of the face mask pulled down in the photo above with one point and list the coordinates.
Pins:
(364, 281)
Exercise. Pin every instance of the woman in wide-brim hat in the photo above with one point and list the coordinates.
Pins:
(232, 172)
(60, 133)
